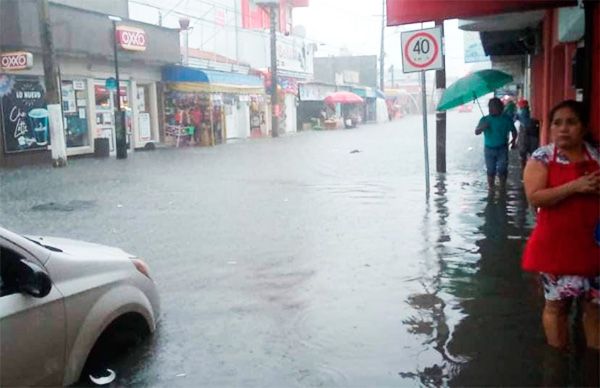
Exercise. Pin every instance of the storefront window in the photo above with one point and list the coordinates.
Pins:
(74, 97)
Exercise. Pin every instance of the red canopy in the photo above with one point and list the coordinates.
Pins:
(417, 11)
(343, 98)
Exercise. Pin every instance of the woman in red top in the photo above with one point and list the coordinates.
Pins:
(562, 179)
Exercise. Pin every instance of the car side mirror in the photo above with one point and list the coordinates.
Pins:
(33, 280)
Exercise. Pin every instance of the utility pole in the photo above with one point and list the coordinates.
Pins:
(52, 95)
(274, 98)
(120, 125)
(184, 25)
(382, 51)
(440, 119)
(236, 11)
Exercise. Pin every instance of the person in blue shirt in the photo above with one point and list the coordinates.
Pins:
(495, 128)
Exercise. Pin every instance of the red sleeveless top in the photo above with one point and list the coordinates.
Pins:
(563, 242)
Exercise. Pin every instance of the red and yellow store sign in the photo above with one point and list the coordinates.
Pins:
(17, 60)
(131, 38)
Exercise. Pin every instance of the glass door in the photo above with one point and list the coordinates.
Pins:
(105, 114)
(144, 133)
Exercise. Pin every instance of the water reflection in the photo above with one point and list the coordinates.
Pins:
(434, 316)
(478, 310)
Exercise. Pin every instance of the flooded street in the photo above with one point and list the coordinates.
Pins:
(314, 260)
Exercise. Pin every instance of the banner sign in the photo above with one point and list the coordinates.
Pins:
(473, 48)
(24, 116)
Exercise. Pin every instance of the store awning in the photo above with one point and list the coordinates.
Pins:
(509, 42)
(418, 11)
(189, 79)
(364, 91)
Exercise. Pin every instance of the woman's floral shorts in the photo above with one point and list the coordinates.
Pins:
(559, 287)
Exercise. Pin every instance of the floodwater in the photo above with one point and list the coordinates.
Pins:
(314, 260)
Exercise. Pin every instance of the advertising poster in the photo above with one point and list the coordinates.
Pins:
(24, 116)
(68, 98)
(144, 126)
(473, 48)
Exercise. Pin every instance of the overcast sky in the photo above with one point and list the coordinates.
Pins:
(356, 25)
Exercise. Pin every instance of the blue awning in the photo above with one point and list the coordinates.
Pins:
(190, 74)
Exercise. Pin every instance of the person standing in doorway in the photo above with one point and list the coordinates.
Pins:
(562, 180)
(529, 132)
(495, 128)
(196, 121)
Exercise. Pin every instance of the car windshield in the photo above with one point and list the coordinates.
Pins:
(324, 192)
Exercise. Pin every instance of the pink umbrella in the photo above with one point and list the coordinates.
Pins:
(343, 98)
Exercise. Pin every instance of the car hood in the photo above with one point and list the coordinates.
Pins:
(80, 249)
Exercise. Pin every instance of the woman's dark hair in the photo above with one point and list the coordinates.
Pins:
(496, 102)
(576, 107)
(582, 114)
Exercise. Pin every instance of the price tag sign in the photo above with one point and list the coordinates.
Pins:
(422, 50)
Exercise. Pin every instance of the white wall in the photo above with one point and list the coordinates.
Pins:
(243, 120)
(213, 23)
(381, 111)
(110, 7)
(238, 122)
(216, 27)
(290, 113)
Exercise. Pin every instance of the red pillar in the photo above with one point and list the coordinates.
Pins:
(537, 85)
(548, 30)
(595, 94)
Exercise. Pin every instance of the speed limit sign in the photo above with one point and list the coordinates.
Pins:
(422, 50)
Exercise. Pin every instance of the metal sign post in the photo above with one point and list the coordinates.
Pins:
(425, 136)
(422, 51)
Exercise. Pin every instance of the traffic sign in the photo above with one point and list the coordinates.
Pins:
(422, 50)
(110, 84)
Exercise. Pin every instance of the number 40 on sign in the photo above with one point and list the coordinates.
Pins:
(422, 50)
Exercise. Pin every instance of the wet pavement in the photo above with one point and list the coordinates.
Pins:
(299, 261)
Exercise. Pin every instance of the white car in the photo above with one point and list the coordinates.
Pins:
(65, 305)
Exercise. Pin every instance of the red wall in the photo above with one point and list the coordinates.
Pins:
(537, 86)
(552, 74)
(255, 17)
(595, 96)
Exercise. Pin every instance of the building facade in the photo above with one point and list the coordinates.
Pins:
(357, 74)
(239, 31)
(545, 52)
(84, 46)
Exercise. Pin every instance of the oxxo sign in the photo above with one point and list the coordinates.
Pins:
(422, 50)
(19, 60)
(131, 38)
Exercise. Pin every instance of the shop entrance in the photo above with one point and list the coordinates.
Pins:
(105, 112)
(194, 119)
(145, 134)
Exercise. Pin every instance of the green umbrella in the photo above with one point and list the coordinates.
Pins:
(470, 87)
